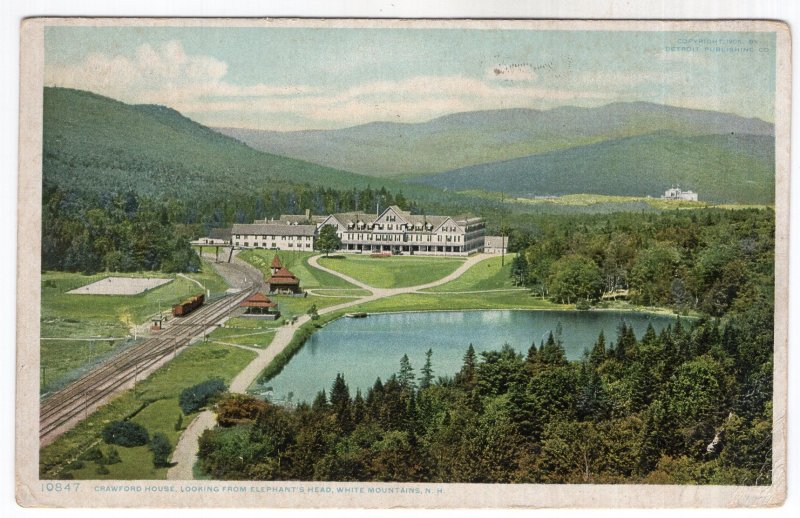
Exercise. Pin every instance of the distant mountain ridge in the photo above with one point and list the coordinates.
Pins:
(728, 168)
(465, 139)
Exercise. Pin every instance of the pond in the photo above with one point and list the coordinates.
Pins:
(363, 349)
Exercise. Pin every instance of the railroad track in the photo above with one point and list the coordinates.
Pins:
(66, 407)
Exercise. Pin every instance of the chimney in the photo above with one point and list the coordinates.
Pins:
(308, 214)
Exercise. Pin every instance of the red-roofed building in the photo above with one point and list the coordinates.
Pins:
(276, 264)
(283, 281)
(259, 304)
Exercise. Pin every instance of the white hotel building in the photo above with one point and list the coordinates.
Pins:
(393, 231)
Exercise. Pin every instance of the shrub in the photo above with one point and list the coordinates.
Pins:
(161, 449)
(112, 457)
(102, 470)
(197, 396)
(238, 409)
(92, 454)
(125, 433)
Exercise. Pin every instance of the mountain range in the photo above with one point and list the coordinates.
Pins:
(99, 144)
(465, 139)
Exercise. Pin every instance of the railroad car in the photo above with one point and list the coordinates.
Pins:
(187, 306)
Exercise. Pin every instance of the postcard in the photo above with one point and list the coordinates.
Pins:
(402, 263)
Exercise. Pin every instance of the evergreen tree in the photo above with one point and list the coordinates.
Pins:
(598, 354)
(466, 377)
(427, 371)
(406, 376)
(340, 403)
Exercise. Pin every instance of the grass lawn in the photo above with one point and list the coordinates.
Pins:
(486, 275)
(246, 331)
(445, 301)
(57, 304)
(393, 272)
(334, 292)
(297, 263)
(155, 405)
(66, 315)
(296, 306)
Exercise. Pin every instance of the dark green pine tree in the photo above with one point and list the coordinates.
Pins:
(359, 408)
(340, 403)
(427, 371)
(406, 376)
(653, 437)
(552, 353)
(598, 354)
(533, 355)
(467, 376)
(320, 403)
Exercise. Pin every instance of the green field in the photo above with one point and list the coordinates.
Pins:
(297, 263)
(296, 306)
(393, 272)
(249, 332)
(155, 405)
(486, 275)
(58, 304)
(73, 316)
(447, 301)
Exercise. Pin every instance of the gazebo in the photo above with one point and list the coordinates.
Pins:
(283, 281)
(259, 305)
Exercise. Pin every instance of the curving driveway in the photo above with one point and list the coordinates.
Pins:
(185, 454)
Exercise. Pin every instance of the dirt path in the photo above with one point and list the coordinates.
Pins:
(185, 454)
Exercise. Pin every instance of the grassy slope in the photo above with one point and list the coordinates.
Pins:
(486, 275)
(297, 263)
(197, 363)
(310, 278)
(722, 168)
(250, 332)
(392, 272)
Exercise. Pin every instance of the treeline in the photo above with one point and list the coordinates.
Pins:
(687, 405)
(702, 260)
(117, 232)
(123, 231)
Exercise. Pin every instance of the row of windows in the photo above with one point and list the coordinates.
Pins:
(273, 245)
(398, 237)
(288, 238)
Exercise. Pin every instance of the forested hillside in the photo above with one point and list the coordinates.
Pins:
(722, 168)
(471, 138)
(98, 145)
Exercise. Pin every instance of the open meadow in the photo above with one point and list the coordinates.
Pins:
(392, 272)
(77, 331)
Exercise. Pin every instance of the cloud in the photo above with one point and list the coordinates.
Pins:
(199, 87)
(414, 99)
(164, 74)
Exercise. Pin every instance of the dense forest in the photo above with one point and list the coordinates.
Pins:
(700, 260)
(689, 405)
(124, 231)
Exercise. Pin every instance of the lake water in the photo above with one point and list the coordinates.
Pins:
(366, 348)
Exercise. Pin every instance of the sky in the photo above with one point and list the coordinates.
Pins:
(295, 78)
